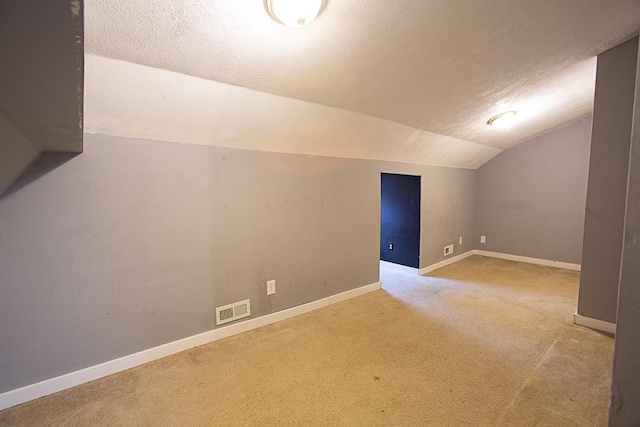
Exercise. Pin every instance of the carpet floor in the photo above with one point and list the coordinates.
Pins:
(483, 342)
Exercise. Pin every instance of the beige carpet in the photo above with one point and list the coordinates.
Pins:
(483, 342)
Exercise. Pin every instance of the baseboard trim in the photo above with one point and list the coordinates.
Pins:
(445, 263)
(519, 258)
(72, 379)
(590, 322)
(538, 261)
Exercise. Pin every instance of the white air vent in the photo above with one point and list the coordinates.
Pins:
(448, 250)
(231, 312)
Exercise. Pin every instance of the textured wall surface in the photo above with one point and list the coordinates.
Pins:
(532, 196)
(131, 100)
(626, 361)
(608, 173)
(134, 243)
(444, 66)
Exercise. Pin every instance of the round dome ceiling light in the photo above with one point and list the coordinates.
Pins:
(294, 13)
(503, 120)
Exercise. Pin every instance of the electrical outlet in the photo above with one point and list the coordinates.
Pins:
(460, 240)
(483, 239)
(448, 250)
(271, 287)
(390, 246)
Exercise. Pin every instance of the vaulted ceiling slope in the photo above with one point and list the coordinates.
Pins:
(132, 100)
(440, 66)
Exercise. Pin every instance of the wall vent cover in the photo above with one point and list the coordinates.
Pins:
(230, 312)
(448, 250)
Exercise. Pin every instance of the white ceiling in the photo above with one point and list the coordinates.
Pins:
(442, 66)
(135, 101)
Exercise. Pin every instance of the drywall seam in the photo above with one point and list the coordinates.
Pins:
(529, 260)
(446, 262)
(72, 379)
(592, 323)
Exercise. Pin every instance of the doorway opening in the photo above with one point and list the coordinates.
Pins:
(400, 219)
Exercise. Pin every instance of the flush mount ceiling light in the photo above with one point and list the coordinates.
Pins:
(294, 13)
(503, 120)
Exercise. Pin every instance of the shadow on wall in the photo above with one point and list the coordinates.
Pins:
(47, 162)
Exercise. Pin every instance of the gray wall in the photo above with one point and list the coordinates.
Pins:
(41, 81)
(134, 243)
(449, 202)
(625, 410)
(16, 153)
(532, 196)
(608, 168)
(449, 206)
(41, 77)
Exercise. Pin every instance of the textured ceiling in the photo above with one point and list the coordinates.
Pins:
(443, 66)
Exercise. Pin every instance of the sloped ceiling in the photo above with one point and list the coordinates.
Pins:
(440, 66)
(130, 100)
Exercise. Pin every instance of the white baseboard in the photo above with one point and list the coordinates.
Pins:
(63, 382)
(446, 262)
(592, 323)
(529, 260)
(538, 261)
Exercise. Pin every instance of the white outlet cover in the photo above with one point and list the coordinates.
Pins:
(483, 239)
(460, 240)
(271, 287)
